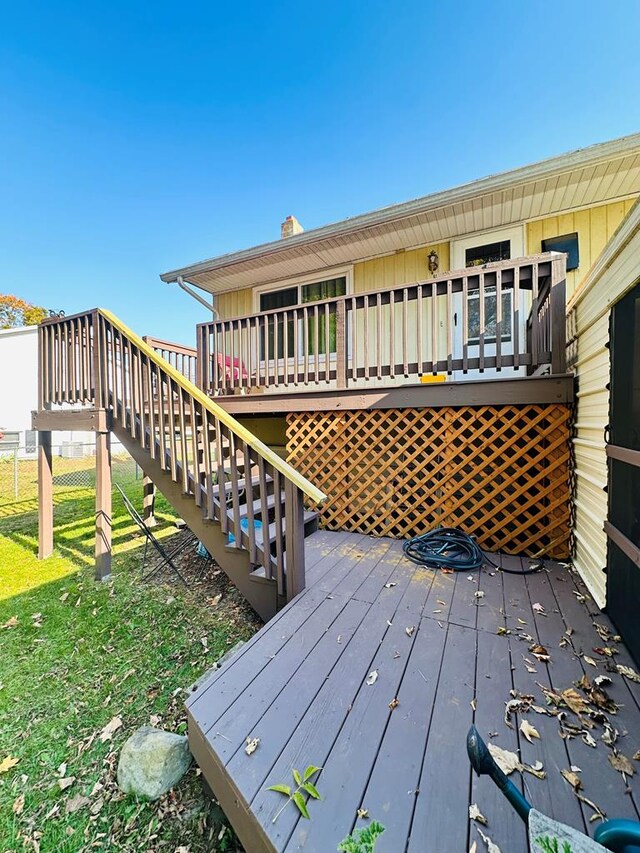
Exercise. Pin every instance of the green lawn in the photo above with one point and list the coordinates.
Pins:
(81, 654)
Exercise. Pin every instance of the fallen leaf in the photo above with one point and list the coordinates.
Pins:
(574, 701)
(76, 803)
(18, 804)
(621, 763)
(476, 814)
(506, 761)
(67, 782)
(64, 596)
(110, 729)
(538, 607)
(363, 813)
(589, 660)
(390, 584)
(599, 814)
(11, 623)
(602, 681)
(491, 847)
(8, 763)
(529, 731)
(605, 651)
(629, 673)
(502, 631)
(536, 769)
(572, 778)
(409, 631)
(479, 593)
(96, 807)
(372, 677)
(540, 653)
(252, 745)
(394, 704)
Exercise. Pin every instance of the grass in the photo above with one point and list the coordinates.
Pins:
(81, 653)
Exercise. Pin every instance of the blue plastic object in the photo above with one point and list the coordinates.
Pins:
(244, 524)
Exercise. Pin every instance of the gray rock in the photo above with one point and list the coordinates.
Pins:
(152, 762)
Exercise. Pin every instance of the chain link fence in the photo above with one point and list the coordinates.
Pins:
(73, 473)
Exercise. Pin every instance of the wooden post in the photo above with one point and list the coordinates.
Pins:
(294, 538)
(342, 362)
(45, 496)
(103, 506)
(558, 319)
(148, 501)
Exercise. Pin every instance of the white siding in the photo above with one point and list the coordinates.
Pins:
(615, 272)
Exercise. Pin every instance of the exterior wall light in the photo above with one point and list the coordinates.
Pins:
(433, 262)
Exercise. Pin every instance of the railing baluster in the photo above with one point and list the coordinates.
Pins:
(184, 446)
(305, 342)
(316, 342)
(263, 494)
(279, 525)
(222, 480)
(208, 464)
(498, 320)
(434, 328)
(379, 336)
(465, 324)
(419, 331)
(264, 512)
(235, 492)
(294, 539)
(449, 324)
(352, 323)
(481, 312)
(392, 335)
(405, 332)
(296, 346)
(535, 319)
(515, 314)
(327, 344)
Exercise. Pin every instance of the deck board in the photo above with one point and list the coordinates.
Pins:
(300, 687)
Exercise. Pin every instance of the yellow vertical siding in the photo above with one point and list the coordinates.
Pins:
(400, 268)
(237, 303)
(595, 228)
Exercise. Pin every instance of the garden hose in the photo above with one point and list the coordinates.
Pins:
(450, 548)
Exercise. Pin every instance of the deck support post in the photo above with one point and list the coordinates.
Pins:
(148, 501)
(45, 496)
(294, 538)
(103, 506)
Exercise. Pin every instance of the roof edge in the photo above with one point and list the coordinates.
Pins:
(499, 181)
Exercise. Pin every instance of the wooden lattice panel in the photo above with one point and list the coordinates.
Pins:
(500, 473)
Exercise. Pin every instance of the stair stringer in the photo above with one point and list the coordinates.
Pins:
(261, 594)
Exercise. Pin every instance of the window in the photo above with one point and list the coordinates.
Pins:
(300, 294)
(490, 305)
(568, 244)
(479, 255)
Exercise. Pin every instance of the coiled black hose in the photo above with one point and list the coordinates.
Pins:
(450, 548)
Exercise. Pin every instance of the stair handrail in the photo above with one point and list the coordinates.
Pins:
(288, 471)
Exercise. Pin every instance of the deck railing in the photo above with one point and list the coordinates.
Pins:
(183, 358)
(94, 359)
(506, 315)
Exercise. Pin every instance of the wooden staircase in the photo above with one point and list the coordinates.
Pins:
(240, 498)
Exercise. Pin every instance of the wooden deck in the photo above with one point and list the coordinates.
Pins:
(300, 686)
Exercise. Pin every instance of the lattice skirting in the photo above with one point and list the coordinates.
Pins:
(501, 473)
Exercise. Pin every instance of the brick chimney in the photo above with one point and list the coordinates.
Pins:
(290, 227)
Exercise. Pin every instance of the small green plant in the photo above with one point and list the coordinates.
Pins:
(551, 845)
(303, 784)
(362, 840)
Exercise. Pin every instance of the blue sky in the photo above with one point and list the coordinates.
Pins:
(137, 137)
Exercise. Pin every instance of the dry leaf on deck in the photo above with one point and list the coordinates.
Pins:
(572, 778)
(602, 681)
(476, 814)
(362, 813)
(506, 761)
(620, 762)
(7, 763)
(574, 701)
(394, 704)
(629, 673)
(540, 653)
(409, 631)
(491, 847)
(538, 607)
(252, 745)
(390, 584)
(529, 731)
(372, 677)
(110, 729)
(589, 660)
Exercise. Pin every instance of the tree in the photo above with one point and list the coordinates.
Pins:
(16, 312)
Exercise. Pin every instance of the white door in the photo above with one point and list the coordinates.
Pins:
(473, 251)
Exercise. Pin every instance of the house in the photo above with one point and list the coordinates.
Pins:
(19, 386)
(468, 359)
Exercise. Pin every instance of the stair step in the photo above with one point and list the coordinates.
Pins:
(258, 508)
(272, 529)
(227, 486)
